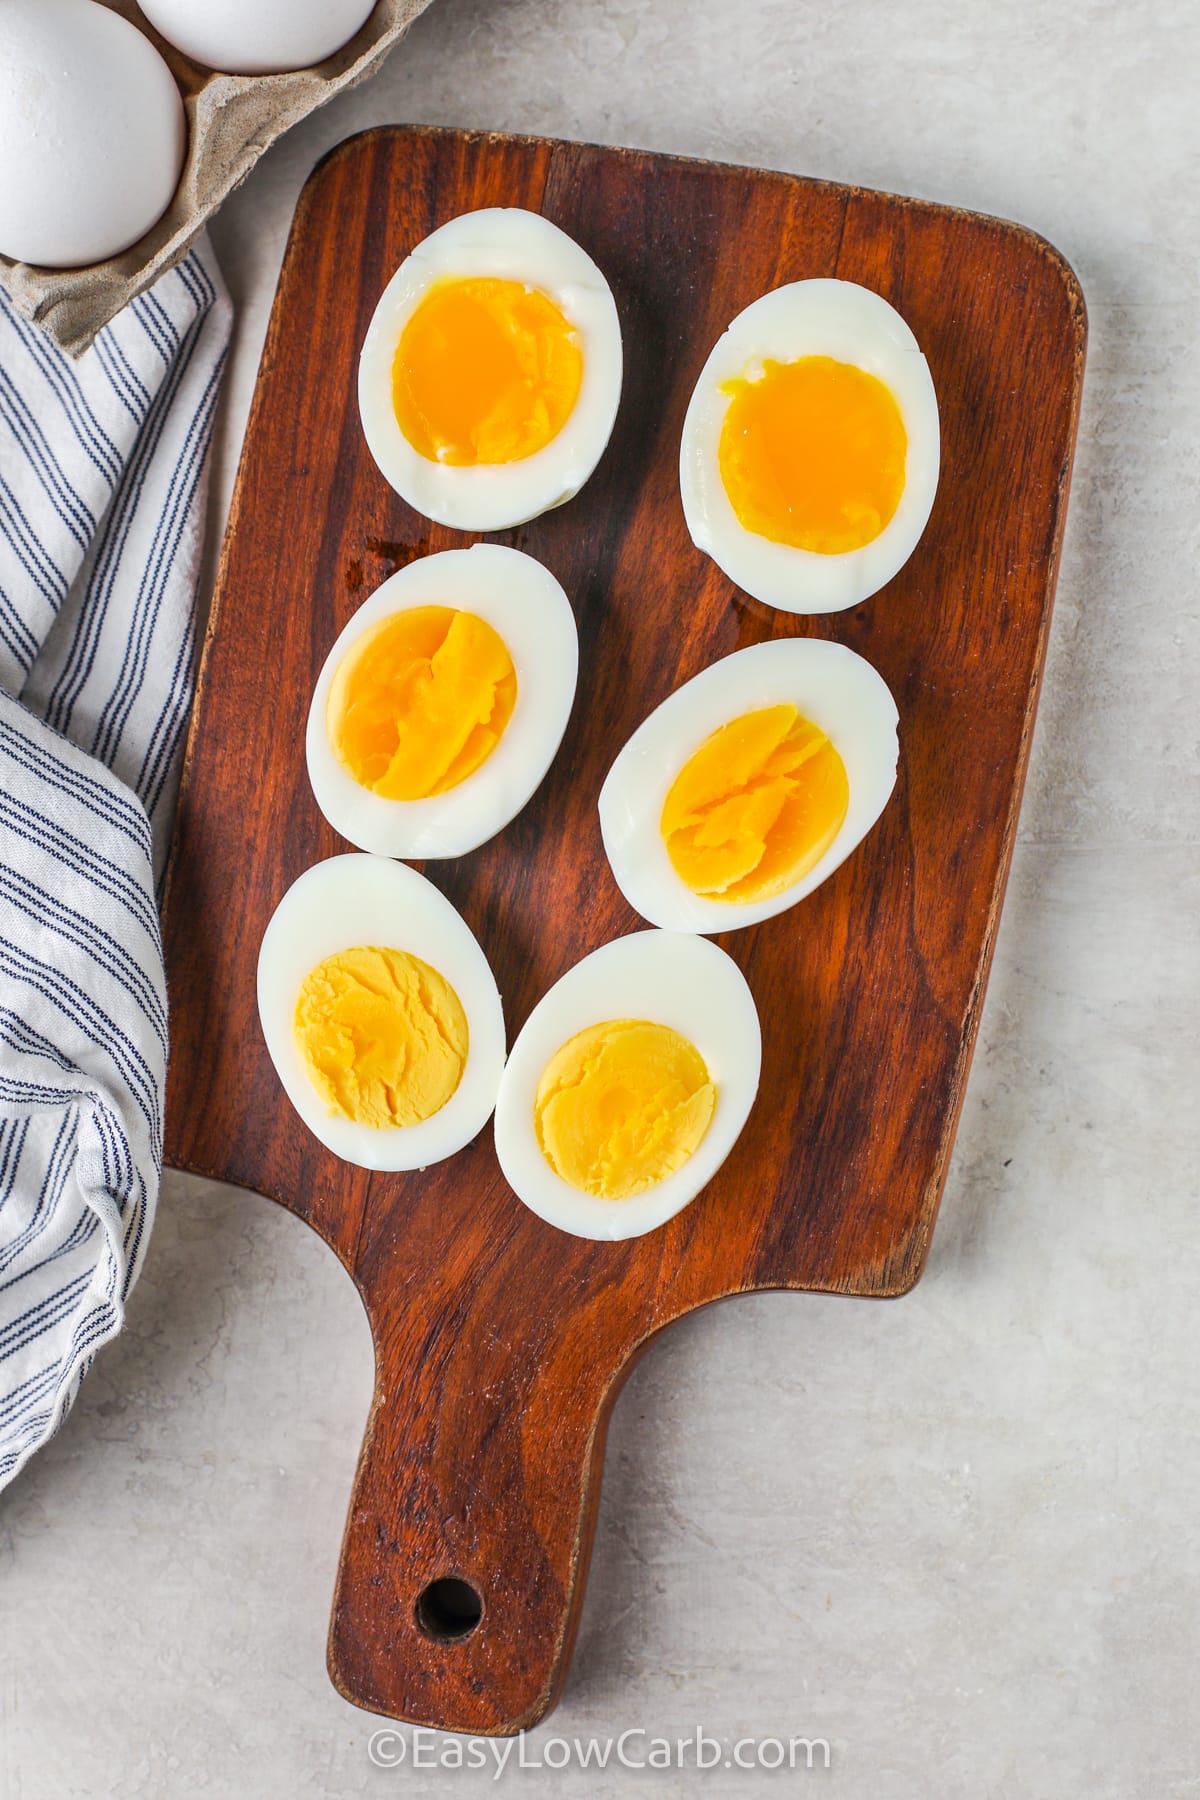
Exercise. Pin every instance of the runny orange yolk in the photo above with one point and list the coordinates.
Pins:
(486, 371)
(756, 807)
(382, 1034)
(812, 454)
(420, 701)
(621, 1106)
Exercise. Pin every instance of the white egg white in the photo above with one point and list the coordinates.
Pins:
(512, 245)
(525, 605)
(359, 901)
(852, 324)
(828, 684)
(667, 978)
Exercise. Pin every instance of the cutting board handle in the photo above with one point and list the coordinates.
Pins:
(470, 1527)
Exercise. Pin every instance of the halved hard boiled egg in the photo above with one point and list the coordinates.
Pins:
(629, 1085)
(810, 451)
(381, 1014)
(442, 702)
(491, 371)
(749, 785)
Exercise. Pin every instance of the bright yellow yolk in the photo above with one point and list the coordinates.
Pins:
(812, 454)
(486, 371)
(383, 1036)
(621, 1106)
(756, 807)
(420, 701)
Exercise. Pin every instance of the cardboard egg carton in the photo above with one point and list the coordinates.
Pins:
(231, 120)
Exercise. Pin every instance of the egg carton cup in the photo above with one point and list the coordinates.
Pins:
(232, 120)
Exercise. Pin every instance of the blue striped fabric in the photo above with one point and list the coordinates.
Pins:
(102, 493)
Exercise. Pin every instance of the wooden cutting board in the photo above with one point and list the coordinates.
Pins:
(501, 1343)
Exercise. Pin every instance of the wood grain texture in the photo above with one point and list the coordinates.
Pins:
(500, 1342)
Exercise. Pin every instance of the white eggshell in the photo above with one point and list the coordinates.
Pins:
(522, 601)
(352, 901)
(511, 245)
(92, 133)
(828, 684)
(670, 979)
(810, 318)
(257, 37)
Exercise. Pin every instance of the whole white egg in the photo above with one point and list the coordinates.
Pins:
(837, 330)
(352, 902)
(92, 133)
(829, 686)
(257, 37)
(497, 364)
(667, 979)
(524, 605)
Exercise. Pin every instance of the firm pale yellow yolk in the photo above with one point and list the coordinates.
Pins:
(420, 701)
(383, 1036)
(621, 1106)
(812, 454)
(756, 806)
(486, 371)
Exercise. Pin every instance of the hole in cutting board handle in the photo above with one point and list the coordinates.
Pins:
(449, 1609)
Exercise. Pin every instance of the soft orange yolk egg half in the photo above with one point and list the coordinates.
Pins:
(382, 1034)
(420, 701)
(486, 371)
(621, 1106)
(755, 807)
(812, 454)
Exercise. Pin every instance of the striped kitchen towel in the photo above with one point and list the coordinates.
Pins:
(102, 496)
